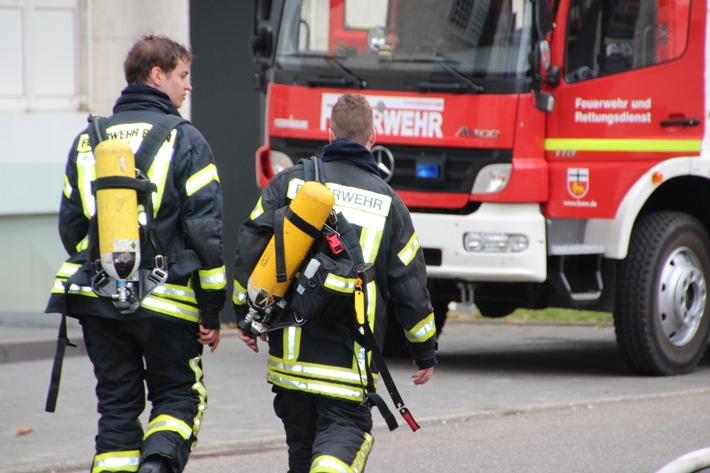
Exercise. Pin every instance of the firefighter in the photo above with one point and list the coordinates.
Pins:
(318, 371)
(158, 345)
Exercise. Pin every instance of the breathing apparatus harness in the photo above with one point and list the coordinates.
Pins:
(125, 295)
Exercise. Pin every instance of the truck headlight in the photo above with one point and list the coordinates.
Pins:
(279, 161)
(480, 242)
(492, 178)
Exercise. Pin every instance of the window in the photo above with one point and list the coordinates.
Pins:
(40, 43)
(610, 36)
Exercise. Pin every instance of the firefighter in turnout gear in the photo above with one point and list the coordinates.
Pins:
(157, 342)
(320, 372)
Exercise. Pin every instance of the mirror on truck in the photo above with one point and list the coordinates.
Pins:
(541, 65)
(262, 36)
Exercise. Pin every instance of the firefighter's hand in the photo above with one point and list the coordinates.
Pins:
(250, 339)
(423, 376)
(209, 336)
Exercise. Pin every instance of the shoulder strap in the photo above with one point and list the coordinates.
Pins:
(97, 129)
(155, 138)
(313, 169)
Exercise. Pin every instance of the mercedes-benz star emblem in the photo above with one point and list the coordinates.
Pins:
(385, 161)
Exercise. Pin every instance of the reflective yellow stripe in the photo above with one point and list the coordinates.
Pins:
(168, 423)
(423, 331)
(117, 461)
(330, 464)
(409, 251)
(173, 309)
(67, 188)
(313, 370)
(201, 178)
(258, 210)
(612, 144)
(199, 388)
(213, 278)
(239, 295)
(158, 172)
(83, 244)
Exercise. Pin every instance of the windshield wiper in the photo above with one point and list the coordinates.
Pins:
(465, 84)
(350, 79)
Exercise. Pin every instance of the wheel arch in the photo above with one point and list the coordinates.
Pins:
(685, 188)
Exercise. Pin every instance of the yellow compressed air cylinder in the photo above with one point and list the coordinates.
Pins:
(117, 212)
(313, 203)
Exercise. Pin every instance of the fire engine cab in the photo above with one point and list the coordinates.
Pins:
(552, 153)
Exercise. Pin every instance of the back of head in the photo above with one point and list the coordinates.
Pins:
(151, 51)
(351, 118)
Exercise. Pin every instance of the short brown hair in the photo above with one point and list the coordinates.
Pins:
(351, 118)
(151, 51)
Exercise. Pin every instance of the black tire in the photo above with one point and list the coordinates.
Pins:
(495, 310)
(661, 295)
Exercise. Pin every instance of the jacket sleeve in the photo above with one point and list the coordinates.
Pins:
(254, 235)
(72, 222)
(202, 224)
(407, 282)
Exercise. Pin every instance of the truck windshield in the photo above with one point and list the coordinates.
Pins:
(405, 44)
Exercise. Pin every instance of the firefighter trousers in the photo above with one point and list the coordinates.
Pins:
(129, 356)
(324, 434)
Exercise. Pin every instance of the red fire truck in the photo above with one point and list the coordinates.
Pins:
(552, 153)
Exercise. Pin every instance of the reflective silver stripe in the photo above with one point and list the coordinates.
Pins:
(409, 251)
(292, 342)
(423, 331)
(174, 309)
(168, 423)
(213, 278)
(340, 284)
(201, 178)
(317, 371)
(68, 269)
(117, 461)
(86, 172)
(172, 291)
(315, 386)
(239, 294)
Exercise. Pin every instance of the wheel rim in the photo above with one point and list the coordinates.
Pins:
(682, 296)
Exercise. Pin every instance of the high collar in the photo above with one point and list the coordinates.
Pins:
(143, 97)
(344, 150)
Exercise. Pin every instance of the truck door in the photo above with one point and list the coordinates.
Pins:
(630, 95)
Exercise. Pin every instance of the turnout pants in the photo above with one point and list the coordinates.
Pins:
(324, 434)
(128, 356)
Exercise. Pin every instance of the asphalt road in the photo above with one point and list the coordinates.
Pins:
(504, 398)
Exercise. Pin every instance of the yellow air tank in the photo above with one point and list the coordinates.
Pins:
(313, 203)
(117, 212)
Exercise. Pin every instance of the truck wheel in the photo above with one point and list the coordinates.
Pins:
(661, 295)
(495, 310)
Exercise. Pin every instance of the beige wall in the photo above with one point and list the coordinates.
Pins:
(36, 144)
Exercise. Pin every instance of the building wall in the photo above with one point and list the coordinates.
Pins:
(65, 59)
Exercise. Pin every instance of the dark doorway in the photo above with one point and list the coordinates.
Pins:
(226, 109)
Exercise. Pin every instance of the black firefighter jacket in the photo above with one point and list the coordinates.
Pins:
(320, 357)
(187, 210)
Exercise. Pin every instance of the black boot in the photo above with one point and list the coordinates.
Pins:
(155, 464)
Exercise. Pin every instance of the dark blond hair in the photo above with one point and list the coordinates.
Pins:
(351, 118)
(151, 51)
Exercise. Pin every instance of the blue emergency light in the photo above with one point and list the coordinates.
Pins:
(428, 171)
